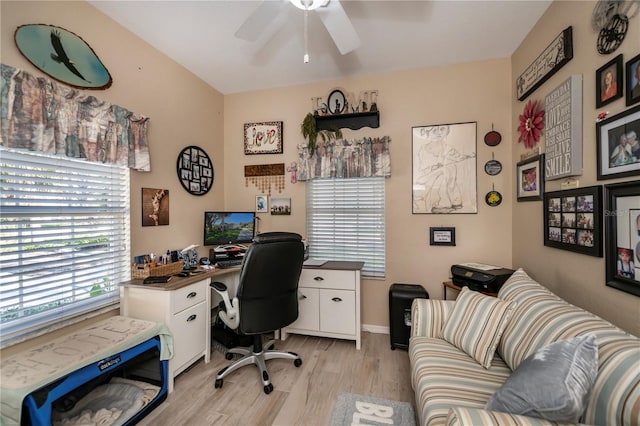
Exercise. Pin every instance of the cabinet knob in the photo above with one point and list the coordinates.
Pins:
(192, 317)
(302, 297)
(192, 295)
(319, 279)
(337, 299)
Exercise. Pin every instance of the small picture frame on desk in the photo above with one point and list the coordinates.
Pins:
(442, 236)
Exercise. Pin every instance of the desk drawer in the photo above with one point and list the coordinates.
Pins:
(189, 296)
(319, 278)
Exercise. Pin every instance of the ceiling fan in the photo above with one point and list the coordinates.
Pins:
(331, 14)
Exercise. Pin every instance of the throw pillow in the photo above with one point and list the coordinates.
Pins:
(553, 383)
(476, 324)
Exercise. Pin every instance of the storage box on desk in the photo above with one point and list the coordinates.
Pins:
(144, 271)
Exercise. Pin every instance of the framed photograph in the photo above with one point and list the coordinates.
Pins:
(444, 169)
(618, 145)
(633, 80)
(281, 206)
(262, 204)
(155, 207)
(441, 236)
(263, 138)
(573, 220)
(622, 228)
(609, 82)
(530, 179)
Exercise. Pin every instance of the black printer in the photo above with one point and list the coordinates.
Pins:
(480, 277)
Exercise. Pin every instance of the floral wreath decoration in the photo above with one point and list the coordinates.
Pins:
(531, 124)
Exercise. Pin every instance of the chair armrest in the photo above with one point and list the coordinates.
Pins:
(231, 314)
(429, 315)
(461, 416)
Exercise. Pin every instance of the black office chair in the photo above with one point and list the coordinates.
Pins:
(266, 300)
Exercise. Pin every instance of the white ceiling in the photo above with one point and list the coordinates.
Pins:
(396, 35)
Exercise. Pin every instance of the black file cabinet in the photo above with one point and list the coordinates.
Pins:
(400, 298)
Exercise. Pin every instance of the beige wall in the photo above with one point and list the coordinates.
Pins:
(185, 111)
(469, 92)
(578, 278)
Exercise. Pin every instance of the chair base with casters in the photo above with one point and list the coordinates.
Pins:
(257, 356)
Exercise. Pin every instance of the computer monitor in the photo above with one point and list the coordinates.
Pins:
(228, 227)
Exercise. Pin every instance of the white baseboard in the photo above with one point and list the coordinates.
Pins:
(379, 329)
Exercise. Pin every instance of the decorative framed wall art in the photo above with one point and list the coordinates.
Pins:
(530, 179)
(155, 207)
(573, 220)
(195, 170)
(554, 57)
(62, 55)
(444, 168)
(609, 82)
(281, 206)
(622, 228)
(633, 80)
(263, 138)
(262, 204)
(265, 175)
(442, 236)
(618, 145)
(563, 130)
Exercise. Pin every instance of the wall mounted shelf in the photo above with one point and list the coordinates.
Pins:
(353, 121)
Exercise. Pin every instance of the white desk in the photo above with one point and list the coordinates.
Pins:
(184, 305)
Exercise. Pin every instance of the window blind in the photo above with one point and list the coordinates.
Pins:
(65, 240)
(346, 221)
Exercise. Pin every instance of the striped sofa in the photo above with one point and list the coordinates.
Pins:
(452, 389)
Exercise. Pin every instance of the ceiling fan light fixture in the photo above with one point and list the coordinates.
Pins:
(308, 4)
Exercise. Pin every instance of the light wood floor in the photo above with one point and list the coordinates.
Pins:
(301, 396)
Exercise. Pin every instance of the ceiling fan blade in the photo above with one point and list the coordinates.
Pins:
(339, 26)
(260, 19)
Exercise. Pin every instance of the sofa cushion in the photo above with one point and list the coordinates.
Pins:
(541, 318)
(465, 416)
(553, 383)
(443, 376)
(476, 324)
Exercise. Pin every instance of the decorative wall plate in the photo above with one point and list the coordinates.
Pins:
(492, 138)
(493, 167)
(493, 198)
(62, 55)
(195, 170)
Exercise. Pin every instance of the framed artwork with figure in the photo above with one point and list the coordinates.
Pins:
(633, 80)
(609, 82)
(622, 245)
(618, 145)
(444, 169)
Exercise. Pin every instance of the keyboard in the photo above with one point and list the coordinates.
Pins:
(229, 263)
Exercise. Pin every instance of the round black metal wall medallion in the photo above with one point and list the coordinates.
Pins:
(195, 170)
(493, 198)
(612, 35)
(492, 167)
(492, 138)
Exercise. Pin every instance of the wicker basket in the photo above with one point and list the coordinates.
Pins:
(140, 271)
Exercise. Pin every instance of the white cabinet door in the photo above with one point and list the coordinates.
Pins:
(308, 308)
(188, 340)
(337, 313)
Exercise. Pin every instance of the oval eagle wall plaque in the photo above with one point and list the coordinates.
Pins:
(62, 55)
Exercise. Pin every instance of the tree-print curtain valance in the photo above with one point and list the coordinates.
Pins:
(39, 114)
(346, 159)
